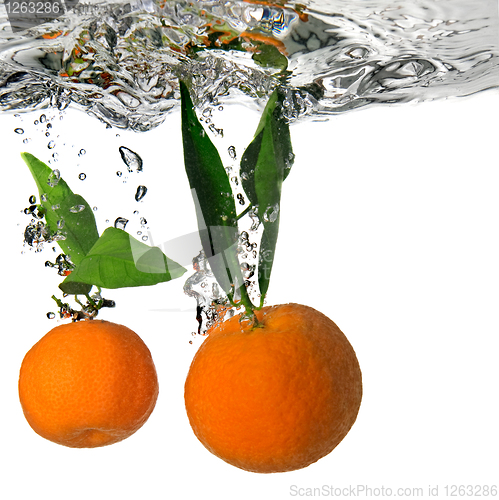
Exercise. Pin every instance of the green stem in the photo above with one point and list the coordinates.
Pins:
(244, 212)
(249, 308)
(78, 302)
(91, 301)
(58, 301)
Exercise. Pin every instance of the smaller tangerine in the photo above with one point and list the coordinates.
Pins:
(87, 384)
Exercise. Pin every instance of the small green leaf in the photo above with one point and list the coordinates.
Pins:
(265, 164)
(117, 260)
(268, 56)
(65, 212)
(213, 198)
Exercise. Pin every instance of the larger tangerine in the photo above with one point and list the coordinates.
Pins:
(277, 397)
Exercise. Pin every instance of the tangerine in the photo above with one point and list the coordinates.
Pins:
(277, 397)
(87, 384)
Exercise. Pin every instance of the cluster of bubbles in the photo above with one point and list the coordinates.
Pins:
(134, 163)
(36, 232)
(212, 303)
(62, 263)
(44, 125)
(211, 300)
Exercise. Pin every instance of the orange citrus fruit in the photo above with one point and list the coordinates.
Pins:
(277, 397)
(87, 384)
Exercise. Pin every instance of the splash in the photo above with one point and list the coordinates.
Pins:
(121, 61)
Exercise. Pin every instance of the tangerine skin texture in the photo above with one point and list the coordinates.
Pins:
(277, 398)
(88, 384)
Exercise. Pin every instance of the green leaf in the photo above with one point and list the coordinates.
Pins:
(213, 198)
(265, 164)
(63, 211)
(268, 56)
(117, 260)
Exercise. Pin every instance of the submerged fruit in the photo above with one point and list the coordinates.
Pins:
(87, 384)
(277, 397)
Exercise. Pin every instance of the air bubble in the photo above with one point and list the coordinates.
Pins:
(32, 199)
(141, 192)
(19, 131)
(50, 315)
(247, 270)
(76, 209)
(43, 119)
(53, 178)
(131, 159)
(271, 213)
(119, 173)
(216, 131)
(145, 238)
(232, 152)
(82, 176)
(51, 145)
(82, 152)
(120, 223)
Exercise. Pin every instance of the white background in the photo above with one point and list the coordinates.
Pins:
(389, 225)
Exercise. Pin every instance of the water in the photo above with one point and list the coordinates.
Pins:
(388, 226)
(121, 61)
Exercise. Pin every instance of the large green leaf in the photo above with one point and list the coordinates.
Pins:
(65, 212)
(117, 260)
(265, 164)
(213, 198)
